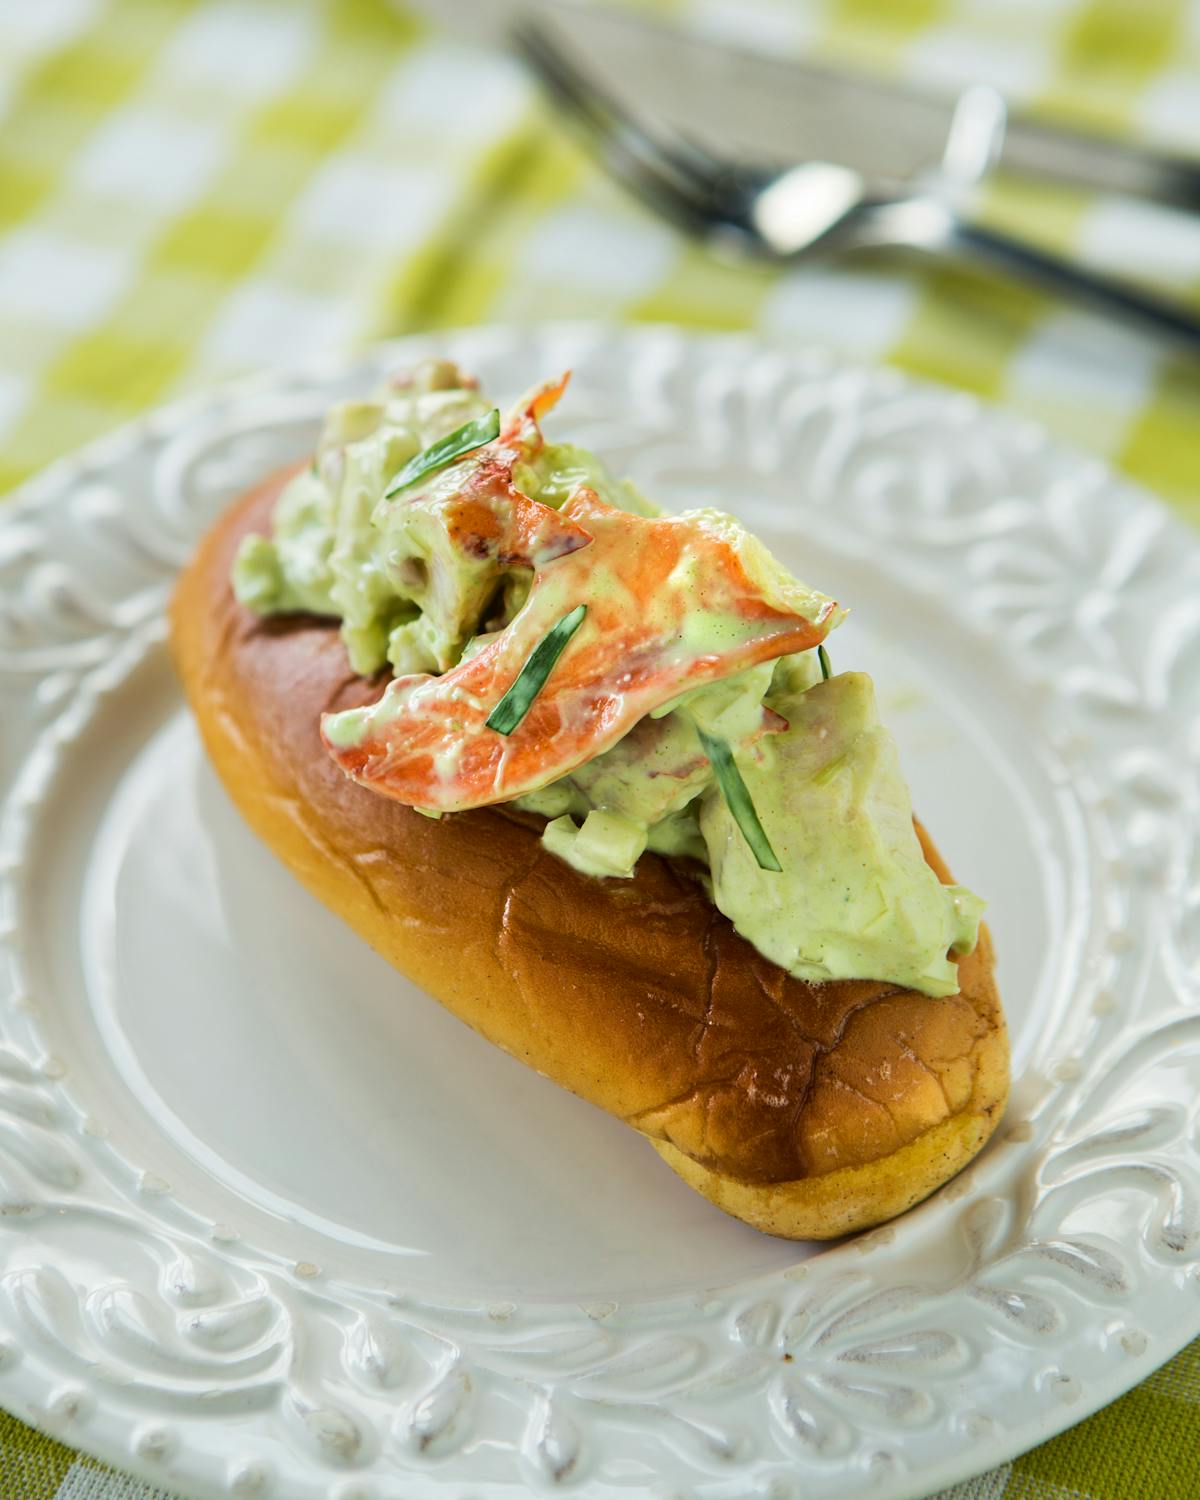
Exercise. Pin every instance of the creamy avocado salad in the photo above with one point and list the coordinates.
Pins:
(643, 681)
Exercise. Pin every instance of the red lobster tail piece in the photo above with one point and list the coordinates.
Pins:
(672, 603)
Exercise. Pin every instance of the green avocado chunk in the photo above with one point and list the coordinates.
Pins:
(406, 595)
(855, 899)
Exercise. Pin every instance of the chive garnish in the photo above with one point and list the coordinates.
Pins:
(464, 439)
(530, 680)
(823, 658)
(738, 800)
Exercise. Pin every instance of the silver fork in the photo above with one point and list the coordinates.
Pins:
(820, 208)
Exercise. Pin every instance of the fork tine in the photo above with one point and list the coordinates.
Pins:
(671, 174)
(695, 166)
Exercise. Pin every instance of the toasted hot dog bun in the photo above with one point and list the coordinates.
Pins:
(808, 1110)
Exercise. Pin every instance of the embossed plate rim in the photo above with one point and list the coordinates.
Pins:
(542, 1453)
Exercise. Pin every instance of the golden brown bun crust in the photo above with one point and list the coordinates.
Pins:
(806, 1109)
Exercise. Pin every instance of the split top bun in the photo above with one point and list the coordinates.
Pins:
(806, 1109)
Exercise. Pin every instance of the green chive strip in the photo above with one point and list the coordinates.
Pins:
(531, 679)
(823, 658)
(462, 440)
(738, 800)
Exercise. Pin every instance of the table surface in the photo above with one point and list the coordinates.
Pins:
(192, 188)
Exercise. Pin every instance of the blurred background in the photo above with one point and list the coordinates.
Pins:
(194, 187)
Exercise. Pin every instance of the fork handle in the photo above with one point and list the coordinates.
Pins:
(1144, 310)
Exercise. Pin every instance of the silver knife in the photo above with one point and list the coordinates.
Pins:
(778, 108)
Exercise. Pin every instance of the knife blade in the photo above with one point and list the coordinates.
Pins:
(780, 108)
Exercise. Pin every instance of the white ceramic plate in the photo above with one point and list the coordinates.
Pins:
(273, 1223)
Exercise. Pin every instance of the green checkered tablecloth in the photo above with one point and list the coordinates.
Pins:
(192, 187)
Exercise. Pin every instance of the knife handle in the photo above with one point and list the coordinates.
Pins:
(1144, 310)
